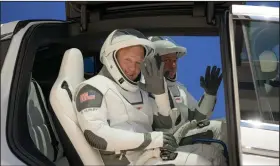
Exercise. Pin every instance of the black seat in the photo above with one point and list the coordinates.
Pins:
(41, 126)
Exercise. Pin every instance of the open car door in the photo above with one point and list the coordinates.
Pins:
(20, 42)
(253, 33)
(93, 21)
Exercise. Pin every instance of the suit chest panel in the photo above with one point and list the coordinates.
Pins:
(128, 107)
(177, 96)
(179, 103)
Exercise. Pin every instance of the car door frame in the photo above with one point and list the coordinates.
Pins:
(175, 26)
(229, 86)
(15, 78)
(252, 13)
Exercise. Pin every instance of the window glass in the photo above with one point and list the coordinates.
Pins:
(88, 65)
(258, 73)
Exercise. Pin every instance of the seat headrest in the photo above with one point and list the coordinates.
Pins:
(72, 67)
(72, 73)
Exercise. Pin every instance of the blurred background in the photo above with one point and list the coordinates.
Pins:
(201, 51)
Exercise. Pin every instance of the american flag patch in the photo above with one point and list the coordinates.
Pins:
(87, 96)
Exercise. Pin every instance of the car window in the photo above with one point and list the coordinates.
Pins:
(4, 49)
(88, 65)
(258, 73)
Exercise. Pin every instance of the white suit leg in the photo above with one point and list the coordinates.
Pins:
(183, 158)
(195, 154)
(217, 127)
(213, 151)
(206, 152)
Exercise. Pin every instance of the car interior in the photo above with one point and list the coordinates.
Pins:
(52, 123)
(55, 66)
(57, 70)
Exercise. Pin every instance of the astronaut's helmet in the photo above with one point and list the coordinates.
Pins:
(165, 45)
(118, 39)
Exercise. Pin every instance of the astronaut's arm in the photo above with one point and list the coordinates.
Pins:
(162, 111)
(206, 106)
(92, 113)
(199, 110)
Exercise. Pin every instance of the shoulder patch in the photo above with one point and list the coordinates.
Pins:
(88, 97)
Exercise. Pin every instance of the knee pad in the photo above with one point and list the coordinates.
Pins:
(214, 141)
(195, 159)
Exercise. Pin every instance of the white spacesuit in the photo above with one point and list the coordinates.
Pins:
(117, 116)
(186, 107)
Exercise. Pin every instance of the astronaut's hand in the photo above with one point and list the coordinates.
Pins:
(184, 129)
(152, 70)
(166, 155)
(169, 142)
(203, 123)
(212, 80)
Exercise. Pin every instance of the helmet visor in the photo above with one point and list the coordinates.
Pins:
(157, 38)
(122, 35)
(127, 32)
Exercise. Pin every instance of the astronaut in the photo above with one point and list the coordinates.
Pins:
(188, 108)
(117, 117)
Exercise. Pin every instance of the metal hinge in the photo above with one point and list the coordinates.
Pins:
(84, 18)
(210, 13)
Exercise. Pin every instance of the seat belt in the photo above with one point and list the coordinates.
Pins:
(65, 86)
(51, 129)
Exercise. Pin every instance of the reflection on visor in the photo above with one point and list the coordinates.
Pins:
(121, 35)
(157, 38)
(133, 32)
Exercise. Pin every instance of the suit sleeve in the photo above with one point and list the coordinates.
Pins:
(92, 113)
(162, 108)
(198, 110)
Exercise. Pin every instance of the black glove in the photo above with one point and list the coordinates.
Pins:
(152, 70)
(169, 142)
(212, 80)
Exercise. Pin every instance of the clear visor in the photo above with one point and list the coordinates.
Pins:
(157, 38)
(166, 45)
(123, 35)
(128, 33)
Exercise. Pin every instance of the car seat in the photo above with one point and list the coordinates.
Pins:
(40, 125)
(70, 75)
